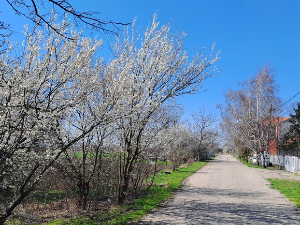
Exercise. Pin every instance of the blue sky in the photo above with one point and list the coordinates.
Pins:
(249, 34)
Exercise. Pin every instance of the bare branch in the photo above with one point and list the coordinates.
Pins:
(38, 12)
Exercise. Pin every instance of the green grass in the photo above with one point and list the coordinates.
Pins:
(249, 163)
(291, 189)
(79, 154)
(173, 180)
(164, 186)
(163, 163)
(49, 196)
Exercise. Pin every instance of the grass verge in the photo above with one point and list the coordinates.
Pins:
(164, 185)
(291, 189)
(249, 163)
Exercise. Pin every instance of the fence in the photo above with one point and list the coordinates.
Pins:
(289, 163)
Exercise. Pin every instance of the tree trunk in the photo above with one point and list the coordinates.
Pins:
(85, 192)
(124, 182)
(83, 183)
(125, 177)
(257, 159)
(123, 190)
(9, 210)
(263, 160)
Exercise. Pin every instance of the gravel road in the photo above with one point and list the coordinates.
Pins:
(227, 192)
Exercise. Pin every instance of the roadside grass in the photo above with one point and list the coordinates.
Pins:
(163, 187)
(291, 189)
(249, 163)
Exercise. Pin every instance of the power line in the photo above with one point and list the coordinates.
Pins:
(289, 99)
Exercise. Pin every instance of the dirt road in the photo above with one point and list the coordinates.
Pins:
(227, 192)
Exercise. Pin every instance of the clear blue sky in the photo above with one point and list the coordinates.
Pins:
(249, 33)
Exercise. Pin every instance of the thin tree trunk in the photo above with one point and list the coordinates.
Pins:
(9, 210)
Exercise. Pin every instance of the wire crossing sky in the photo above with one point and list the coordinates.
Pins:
(249, 34)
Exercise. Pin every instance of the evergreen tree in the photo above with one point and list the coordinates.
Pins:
(291, 140)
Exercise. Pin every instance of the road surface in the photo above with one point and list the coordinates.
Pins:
(227, 192)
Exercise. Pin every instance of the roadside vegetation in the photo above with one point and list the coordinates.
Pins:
(249, 163)
(291, 189)
(81, 133)
(164, 184)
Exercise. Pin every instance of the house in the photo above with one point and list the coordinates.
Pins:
(281, 127)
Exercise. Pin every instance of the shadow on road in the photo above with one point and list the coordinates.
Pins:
(231, 214)
(219, 192)
(196, 212)
(225, 192)
(221, 161)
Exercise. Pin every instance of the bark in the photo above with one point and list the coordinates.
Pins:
(23, 194)
(9, 210)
